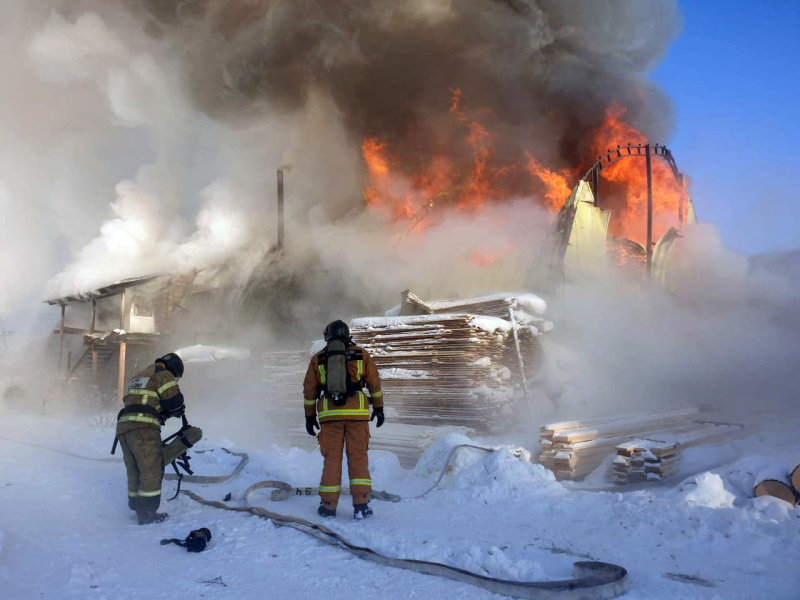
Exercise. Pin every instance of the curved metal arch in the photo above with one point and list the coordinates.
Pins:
(620, 152)
(592, 177)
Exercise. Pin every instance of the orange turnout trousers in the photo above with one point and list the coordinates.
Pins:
(353, 437)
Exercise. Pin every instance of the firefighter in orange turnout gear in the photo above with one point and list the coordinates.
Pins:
(333, 391)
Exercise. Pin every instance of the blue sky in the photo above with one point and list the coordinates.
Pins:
(734, 78)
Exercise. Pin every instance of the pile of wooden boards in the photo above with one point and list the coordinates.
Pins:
(647, 445)
(497, 305)
(573, 449)
(282, 375)
(445, 369)
(658, 456)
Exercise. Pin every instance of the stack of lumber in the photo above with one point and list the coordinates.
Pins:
(495, 305)
(573, 449)
(282, 375)
(658, 456)
(445, 369)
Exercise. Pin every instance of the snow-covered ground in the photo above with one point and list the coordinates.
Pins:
(66, 531)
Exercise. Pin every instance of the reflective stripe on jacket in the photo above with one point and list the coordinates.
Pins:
(151, 387)
(356, 408)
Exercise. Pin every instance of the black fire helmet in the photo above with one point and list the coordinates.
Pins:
(337, 330)
(173, 363)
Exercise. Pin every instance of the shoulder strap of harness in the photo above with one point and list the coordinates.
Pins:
(349, 354)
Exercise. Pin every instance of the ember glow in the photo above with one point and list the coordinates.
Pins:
(482, 258)
(628, 197)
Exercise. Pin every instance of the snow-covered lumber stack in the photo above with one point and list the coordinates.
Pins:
(645, 460)
(445, 369)
(527, 309)
(282, 374)
(658, 456)
(496, 305)
(573, 449)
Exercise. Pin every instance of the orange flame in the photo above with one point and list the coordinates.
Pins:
(402, 196)
(470, 178)
(482, 258)
(556, 182)
(668, 194)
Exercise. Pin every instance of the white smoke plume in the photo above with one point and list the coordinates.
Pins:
(142, 137)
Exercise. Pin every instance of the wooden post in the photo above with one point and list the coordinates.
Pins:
(521, 369)
(649, 211)
(94, 347)
(122, 349)
(61, 335)
(280, 209)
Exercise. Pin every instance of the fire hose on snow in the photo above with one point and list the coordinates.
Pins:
(592, 580)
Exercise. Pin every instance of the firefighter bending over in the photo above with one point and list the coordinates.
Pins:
(153, 396)
(333, 391)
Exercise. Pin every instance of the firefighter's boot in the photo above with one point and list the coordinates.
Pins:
(361, 511)
(145, 518)
(324, 511)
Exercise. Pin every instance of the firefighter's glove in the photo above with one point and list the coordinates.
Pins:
(311, 422)
(377, 412)
(175, 412)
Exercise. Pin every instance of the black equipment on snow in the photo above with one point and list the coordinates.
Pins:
(311, 423)
(196, 541)
(173, 363)
(377, 412)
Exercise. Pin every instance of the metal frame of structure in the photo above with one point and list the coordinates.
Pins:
(592, 177)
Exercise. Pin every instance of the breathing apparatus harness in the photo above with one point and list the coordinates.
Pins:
(338, 385)
(183, 460)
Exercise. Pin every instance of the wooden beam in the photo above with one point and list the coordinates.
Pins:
(122, 349)
(94, 346)
(76, 331)
(61, 347)
(280, 210)
(121, 380)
